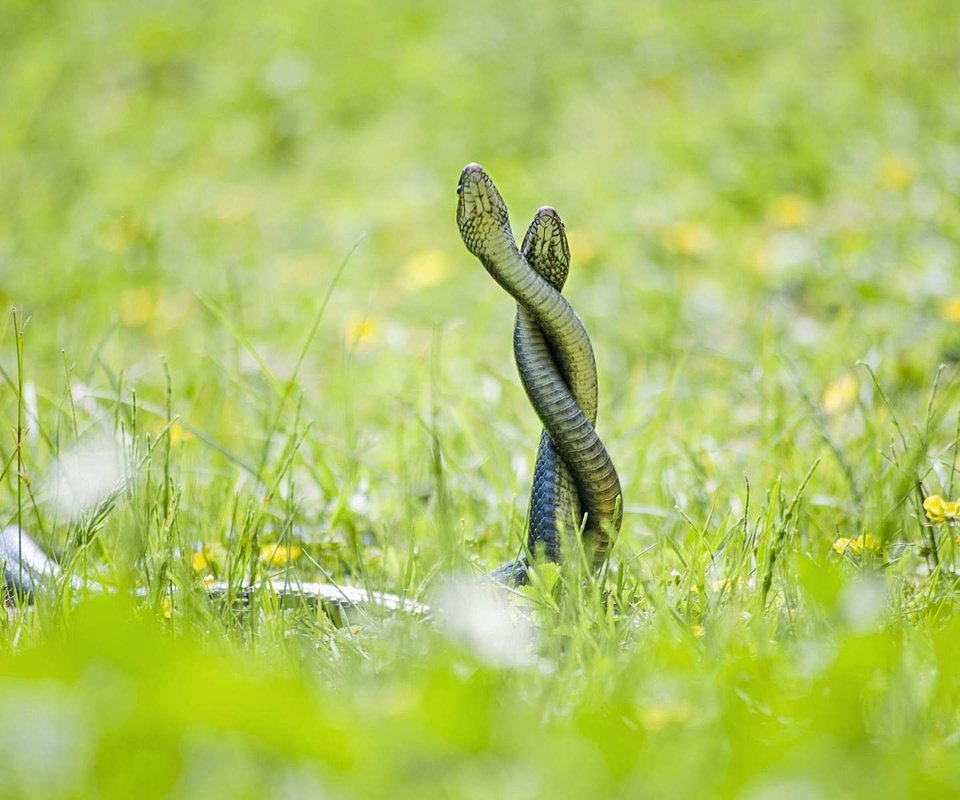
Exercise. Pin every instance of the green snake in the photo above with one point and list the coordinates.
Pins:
(555, 513)
(557, 368)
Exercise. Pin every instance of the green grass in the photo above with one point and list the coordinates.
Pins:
(231, 271)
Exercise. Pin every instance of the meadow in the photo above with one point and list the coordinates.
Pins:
(240, 338)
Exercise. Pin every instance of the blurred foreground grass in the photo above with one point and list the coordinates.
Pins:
(762, 200)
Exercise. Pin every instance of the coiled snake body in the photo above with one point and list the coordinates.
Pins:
(574, 474)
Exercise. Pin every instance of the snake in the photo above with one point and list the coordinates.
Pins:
(554, 507)
(26, 570)
(555, 513)
(557, 368)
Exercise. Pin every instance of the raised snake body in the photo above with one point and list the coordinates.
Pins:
(555, 513)
(557, 368)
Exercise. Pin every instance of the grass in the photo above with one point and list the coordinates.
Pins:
(244, 339)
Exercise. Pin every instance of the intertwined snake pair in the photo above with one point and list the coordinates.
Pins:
(575, 485)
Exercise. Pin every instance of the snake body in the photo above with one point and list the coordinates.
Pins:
(555, 513)
(555, 360)
(27, 571)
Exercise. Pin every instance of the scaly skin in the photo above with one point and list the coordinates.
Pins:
(485, 229)
(555, 515)
(563, 392)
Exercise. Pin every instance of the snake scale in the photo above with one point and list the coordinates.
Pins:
(574, 474)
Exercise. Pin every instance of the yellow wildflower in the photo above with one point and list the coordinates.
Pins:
(689, 239)
(424, 269)
(841, 394)
(949, 309)
(939, 511)
(867, 542)
(656, 718)
(758, 257)
(179, 434)
(138, 306)
(277, 555)
(790, 211)
(841, 545)
(895, 172)
(361, 332)
(207, 557)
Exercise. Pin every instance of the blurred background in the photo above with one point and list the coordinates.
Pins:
(253, 343)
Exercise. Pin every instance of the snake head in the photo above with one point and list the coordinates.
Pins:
(545, 247)
(481, 212)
